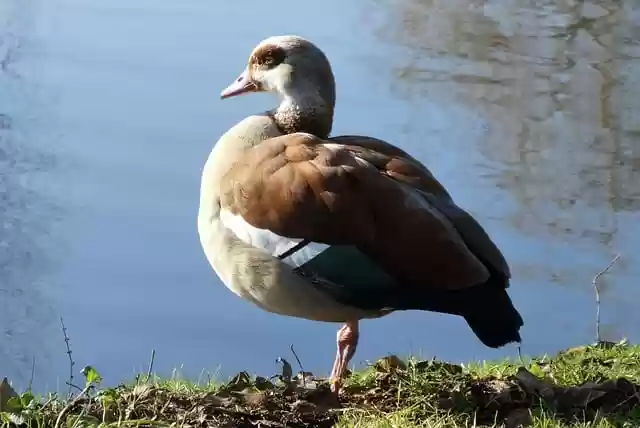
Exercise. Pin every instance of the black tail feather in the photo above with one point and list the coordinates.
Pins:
(487, 308)
(493, 318)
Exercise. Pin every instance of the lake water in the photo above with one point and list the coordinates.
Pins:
(527, 111)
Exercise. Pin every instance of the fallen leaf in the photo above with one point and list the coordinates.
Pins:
(519, 418)
(255, 399)
(389, 363)
(303, 407)
(214, 400)
(322, 397)
(6, 393)
(287, 370)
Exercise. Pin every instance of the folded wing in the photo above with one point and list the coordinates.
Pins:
(358, 192)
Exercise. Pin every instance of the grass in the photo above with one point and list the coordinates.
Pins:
(590, 386)
(436, 394)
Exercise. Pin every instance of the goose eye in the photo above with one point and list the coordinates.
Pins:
(268, 57)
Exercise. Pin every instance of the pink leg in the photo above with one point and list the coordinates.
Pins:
(347, 342)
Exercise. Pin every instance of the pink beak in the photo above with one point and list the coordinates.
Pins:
(241, 85)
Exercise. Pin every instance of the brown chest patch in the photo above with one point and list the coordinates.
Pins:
(312, 121)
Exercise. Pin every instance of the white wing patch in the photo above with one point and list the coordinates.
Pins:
(269, 241)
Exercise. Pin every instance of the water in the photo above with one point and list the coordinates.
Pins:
(526, 111)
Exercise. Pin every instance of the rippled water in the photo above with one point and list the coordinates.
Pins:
(527, 111)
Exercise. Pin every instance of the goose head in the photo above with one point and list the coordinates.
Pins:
(299, 73)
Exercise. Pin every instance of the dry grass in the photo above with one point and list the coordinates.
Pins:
(592, 386)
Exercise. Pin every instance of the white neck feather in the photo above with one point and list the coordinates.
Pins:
(302, 99)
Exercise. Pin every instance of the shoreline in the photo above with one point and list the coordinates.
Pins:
(587, 386)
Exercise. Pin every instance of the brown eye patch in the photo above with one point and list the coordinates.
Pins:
(268, 56)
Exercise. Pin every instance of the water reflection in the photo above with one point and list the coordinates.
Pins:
(555, 81)
(26, 214)
(554, 86)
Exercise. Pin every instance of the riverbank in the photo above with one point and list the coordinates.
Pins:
(590, 386)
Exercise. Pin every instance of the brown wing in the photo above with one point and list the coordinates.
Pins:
(396, 162)
(402, 166)
(300, 186)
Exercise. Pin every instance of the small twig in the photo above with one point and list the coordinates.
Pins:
(74, 386)
(520, 354)
(594, 283)
(153, 357)
(293, 351)
(33, 372)
(71, 362)
(69, 406)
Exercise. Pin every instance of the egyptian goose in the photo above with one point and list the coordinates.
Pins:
(343, 228)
